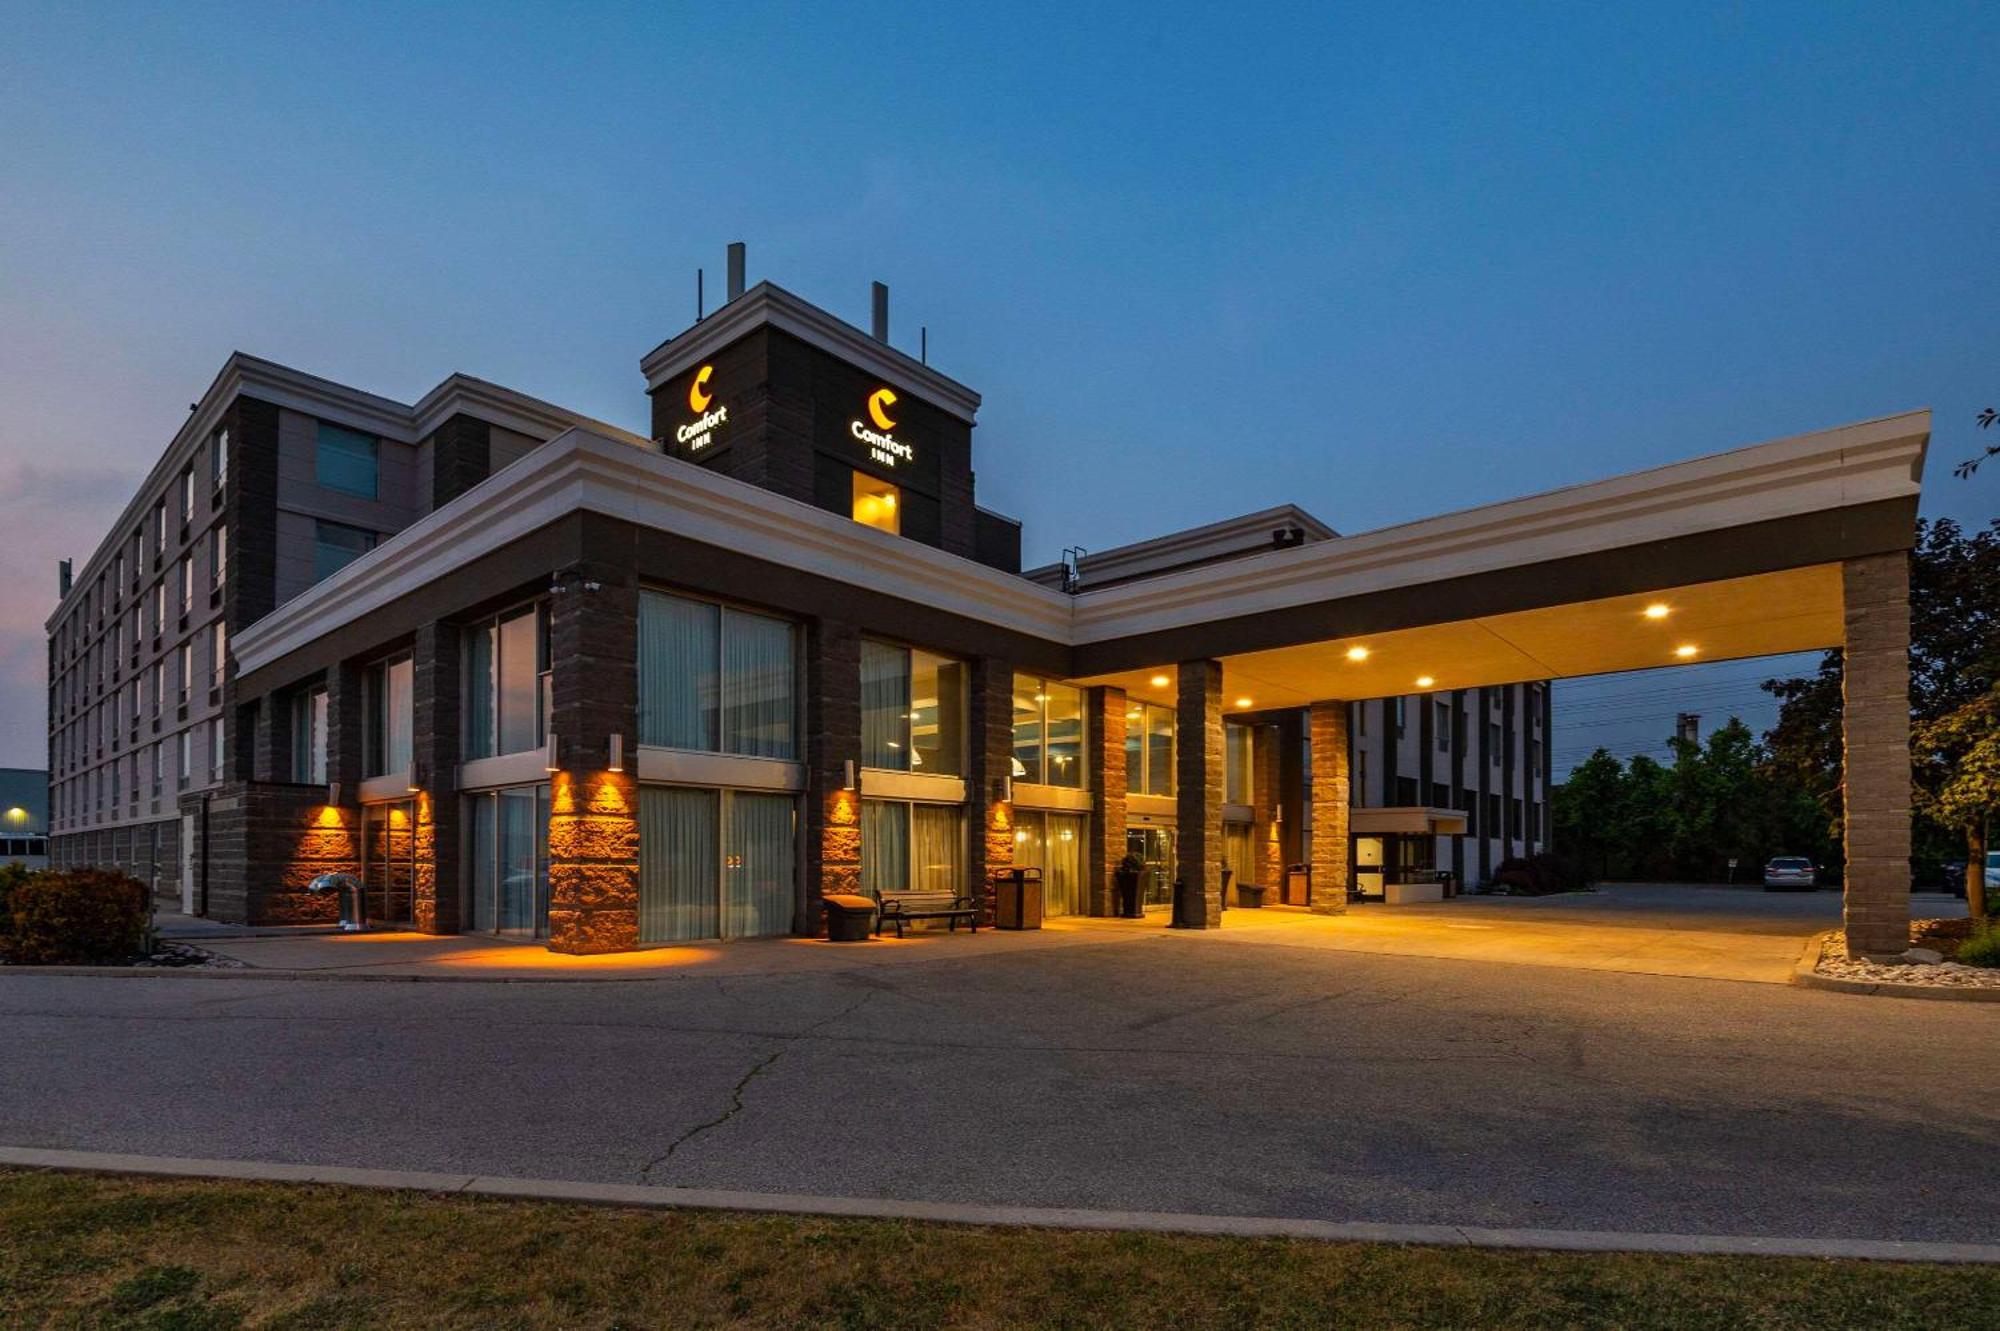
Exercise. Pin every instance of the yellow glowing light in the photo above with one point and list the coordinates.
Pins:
(1685, 650)
(1132, 715)
(1658, 610)
(879, 403)
(1242, 702)
(1160, 681)
(698, 395)
(1357, 653)
(1425, 681)
(17, 813)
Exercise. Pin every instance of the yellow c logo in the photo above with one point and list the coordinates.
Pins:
(879, 403)
(698, 395)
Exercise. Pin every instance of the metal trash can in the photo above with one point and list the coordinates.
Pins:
(848, 918)
(1017, 898)
(1298, 885)
(346, 889)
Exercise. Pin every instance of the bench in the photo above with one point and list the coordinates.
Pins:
(902, 908)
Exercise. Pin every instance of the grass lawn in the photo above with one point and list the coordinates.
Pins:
(85, 1251)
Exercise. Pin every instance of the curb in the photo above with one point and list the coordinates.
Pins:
(1806, 976)
(1035, 1217)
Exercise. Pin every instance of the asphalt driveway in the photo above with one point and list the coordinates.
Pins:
(1232, 1072)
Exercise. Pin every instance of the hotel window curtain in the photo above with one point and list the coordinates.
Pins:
(758, 891)
(937, 848)
(677, 672)
(1062, 865)
(398, 736)
(678, 867)
(479, 692)
(885, 707)
(758, 686)
(885, 846)
(519, 883)
(478, 906)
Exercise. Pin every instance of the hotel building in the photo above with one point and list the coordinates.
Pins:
(528, 674)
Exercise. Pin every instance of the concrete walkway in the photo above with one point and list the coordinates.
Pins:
(1701, 932)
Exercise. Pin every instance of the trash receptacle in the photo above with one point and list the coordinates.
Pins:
(1017, 898)
(1298, 885)
(848, 918)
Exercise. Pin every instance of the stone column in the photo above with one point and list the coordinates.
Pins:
(594, 812)
(1104, 765)
(1198, 794)
(271, 756)
(989, 764)
(1875, 753)
(833, 739)
(1330, 803)
(1266, 829)
(438, 904)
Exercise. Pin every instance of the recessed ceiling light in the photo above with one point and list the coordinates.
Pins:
(1357, 653)
(1425, 681)
(1242, 702)
(1161, 681)
(1658, 610)
(1686, 650)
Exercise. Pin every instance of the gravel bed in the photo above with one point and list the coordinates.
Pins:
(1836, 965)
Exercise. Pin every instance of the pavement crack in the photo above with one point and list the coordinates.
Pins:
(735, 1108)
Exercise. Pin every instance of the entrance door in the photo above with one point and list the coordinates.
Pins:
(1368, 867)
(1154, 845)
(388, 861)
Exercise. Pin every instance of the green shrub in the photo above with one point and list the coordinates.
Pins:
(1982, 949)
(12, 874)
(75, 917)
(1546, 872)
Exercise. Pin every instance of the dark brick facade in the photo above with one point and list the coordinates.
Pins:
(1104, 761)
(833, 740)
(1198, 793)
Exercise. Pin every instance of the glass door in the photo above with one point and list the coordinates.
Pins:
(1154, 845)
(388, 861)
(1368, 868)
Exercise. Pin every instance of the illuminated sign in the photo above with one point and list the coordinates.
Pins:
(883, 447)
(699, 433)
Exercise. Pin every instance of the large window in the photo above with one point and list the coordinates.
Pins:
(1238, 763)
(908, 847)
(507, 888)
(1055, 844)
(714, 864)
(1048, 732)
(1149, 749)
(507, 683)
(390, 703)
(345, 461)
(716, 679)
(336, 545)
(309, 713)
(218, 457)
(912, 710)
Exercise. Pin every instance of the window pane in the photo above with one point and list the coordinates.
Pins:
(937, 848)
(678, 872)
(336, 545)
(937, 715)
(1065, 711)
(479, 910)
(759, 707)
(885, 707)
(317, 769)
(1135, 749)
(677, 672)
(1027, 728)
(758, 878)
(885, 846)
(519, 728)
(1236, 750)
(1062, 866)
(397, 735)
(345, 461)
(1159, 751)
(516, 906)
(479, 692)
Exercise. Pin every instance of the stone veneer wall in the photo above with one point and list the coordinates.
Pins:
(989, 761)
(435, 905)
(1104, 759)
(1330, 804)
(1198, 786)
(1875, 754)
(833, 739)
(1266, 846)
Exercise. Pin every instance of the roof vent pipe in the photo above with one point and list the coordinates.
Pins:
(63, 578)
(735, 269)
(880, 322)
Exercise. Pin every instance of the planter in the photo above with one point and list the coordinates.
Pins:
(1250, 894)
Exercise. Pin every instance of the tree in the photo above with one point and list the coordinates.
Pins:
(1958, 781)
(1965, 469)
(1589, 812)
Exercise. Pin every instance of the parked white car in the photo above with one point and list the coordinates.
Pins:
(1790, 871)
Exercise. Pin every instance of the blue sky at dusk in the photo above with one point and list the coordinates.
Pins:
(1381, 262)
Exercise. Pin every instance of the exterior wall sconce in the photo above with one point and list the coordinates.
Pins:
(1003, 790)
(416, 777)
(333, 793)
(617, 763)
(847, 775)
(552, 753)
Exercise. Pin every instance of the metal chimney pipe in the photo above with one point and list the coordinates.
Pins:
(735, 269)
(881, 319)
(63, 578)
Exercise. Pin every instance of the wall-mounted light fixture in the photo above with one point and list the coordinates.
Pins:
(416, 776)
(552, 753)
(333, 793)
(847, 775)
(617, 763)
(1003, 790)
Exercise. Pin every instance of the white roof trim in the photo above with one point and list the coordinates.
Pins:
(581, 469)
(251, 376)
(1837, 468)
(768, 304)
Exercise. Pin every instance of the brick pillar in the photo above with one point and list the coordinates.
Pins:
(1330, 803)
(1266, 831)
(271, 758)
(1104, 760)
(833, 738)
(1875, 754)
(1198, 793)
(594, 812)
(989, 764)
(437, 906)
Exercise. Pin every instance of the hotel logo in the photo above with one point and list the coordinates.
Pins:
(882, 446)
(699, 433)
